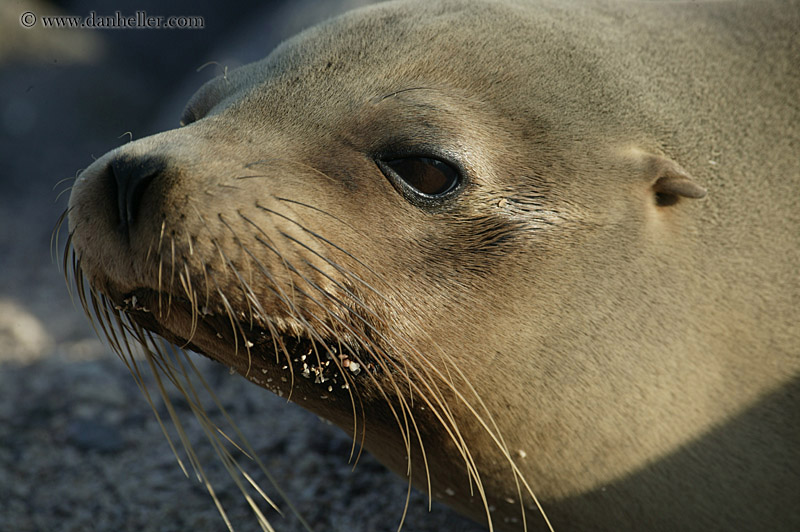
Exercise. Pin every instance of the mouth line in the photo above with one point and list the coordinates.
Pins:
(238, 343)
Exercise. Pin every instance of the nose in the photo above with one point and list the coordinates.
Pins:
(130, 178)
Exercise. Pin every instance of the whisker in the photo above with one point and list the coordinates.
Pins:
(494, 434)
(65, 191)
(348, 273)
(171, 275)
(291, 162)
(65, 179)
(54, 236)
(323, 212)
(460, 443)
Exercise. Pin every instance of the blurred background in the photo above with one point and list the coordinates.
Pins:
(80, 448)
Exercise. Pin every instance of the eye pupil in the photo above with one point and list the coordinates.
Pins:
(428, 176)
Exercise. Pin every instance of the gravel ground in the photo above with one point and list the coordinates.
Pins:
(80, 448)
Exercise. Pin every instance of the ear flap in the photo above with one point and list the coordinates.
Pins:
(668, 189)
(670, 181)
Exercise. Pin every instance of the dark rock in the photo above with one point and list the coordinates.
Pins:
(89, 435)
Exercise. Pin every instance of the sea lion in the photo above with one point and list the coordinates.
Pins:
(476, 236)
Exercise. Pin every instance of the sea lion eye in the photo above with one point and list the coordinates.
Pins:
(424, 175)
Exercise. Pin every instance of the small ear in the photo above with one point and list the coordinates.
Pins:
(671, 182)
(669, 188)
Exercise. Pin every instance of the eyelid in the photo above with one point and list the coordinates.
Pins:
(425, 180)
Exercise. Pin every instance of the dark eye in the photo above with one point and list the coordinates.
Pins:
(424, 175)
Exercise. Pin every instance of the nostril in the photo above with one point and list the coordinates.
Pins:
(131, 178)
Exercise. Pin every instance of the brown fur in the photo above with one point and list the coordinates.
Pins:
(575, 324)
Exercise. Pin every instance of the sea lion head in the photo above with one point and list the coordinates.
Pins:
(413, 225)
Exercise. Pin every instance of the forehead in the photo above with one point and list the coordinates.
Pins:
(527, 64)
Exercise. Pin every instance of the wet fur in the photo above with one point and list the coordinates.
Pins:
(577, 325)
